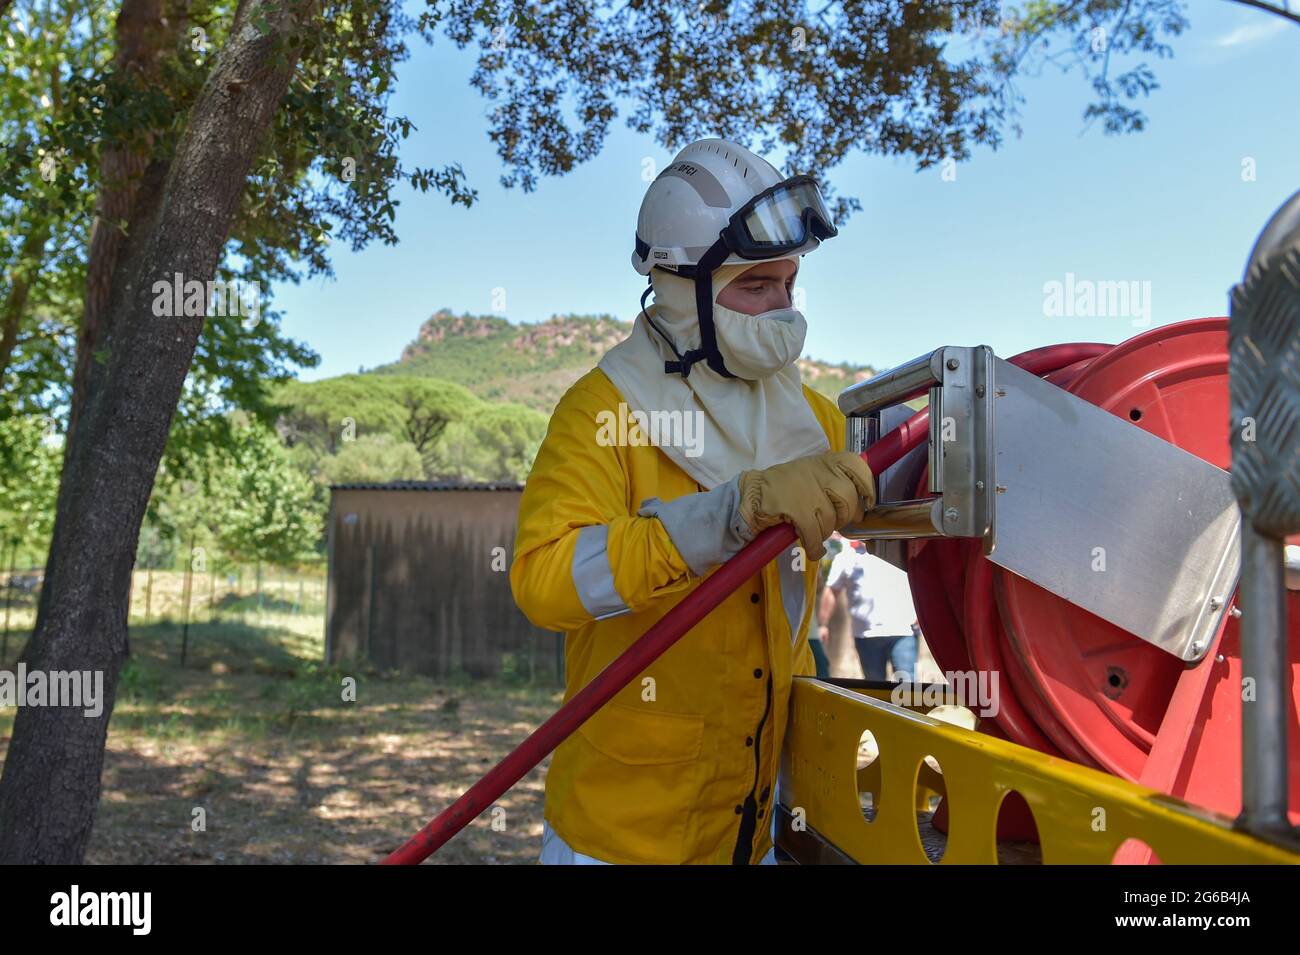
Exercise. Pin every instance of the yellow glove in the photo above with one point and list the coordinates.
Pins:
(816, 494)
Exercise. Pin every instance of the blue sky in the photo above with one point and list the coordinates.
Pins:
(927, 262)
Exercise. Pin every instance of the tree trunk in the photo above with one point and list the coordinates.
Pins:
(146, 33)
(51, 782)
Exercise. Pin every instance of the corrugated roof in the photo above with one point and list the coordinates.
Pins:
(426, 486)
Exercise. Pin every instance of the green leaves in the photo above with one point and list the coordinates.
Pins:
(378, 427)
(30, 461)
(449, 180)
(267, 506)
(295, 200)
(1093, 38)
(261, 18)
(373, 458)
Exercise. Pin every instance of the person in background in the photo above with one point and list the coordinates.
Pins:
(881, 614)
(819, 643)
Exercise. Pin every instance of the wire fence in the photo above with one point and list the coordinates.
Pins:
(246, 594)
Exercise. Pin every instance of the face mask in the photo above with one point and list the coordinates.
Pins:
(758, 346)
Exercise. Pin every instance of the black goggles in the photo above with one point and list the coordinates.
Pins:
(779, 220)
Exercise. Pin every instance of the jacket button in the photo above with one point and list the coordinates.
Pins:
(753, 598)
(760, 814)
(758, 674)
(767, 791)
(749, 741)
(739, 810)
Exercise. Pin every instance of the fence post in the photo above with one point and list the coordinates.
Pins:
(9, 599)
(189, 584)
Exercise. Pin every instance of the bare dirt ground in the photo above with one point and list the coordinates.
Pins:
(249, 754)
(344, 783)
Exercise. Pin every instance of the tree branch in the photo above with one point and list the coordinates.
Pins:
(1272, 8)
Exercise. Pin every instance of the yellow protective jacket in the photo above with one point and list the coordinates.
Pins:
(681, 765)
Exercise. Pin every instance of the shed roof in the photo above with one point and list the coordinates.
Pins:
(427, 486)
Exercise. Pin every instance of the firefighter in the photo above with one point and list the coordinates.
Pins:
(688, 438)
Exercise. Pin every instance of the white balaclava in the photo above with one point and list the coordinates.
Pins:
(757, 419)
(753, 347)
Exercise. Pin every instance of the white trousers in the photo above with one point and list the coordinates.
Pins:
(555, 851)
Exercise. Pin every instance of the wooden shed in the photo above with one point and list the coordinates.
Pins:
(419, 582)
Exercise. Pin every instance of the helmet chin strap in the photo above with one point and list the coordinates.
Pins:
(711, 259)
(708, 351)
(670, 367)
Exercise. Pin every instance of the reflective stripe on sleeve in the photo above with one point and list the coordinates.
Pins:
(592, 576)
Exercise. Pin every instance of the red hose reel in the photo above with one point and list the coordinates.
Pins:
(1072, 684)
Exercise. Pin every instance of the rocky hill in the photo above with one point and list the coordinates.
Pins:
(535, 364)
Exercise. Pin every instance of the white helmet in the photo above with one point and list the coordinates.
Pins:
(718, 203)
(699, 196)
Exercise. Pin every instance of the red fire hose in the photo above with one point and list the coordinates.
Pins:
(670, 628)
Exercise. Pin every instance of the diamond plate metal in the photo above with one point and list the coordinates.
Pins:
(1264, 375)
